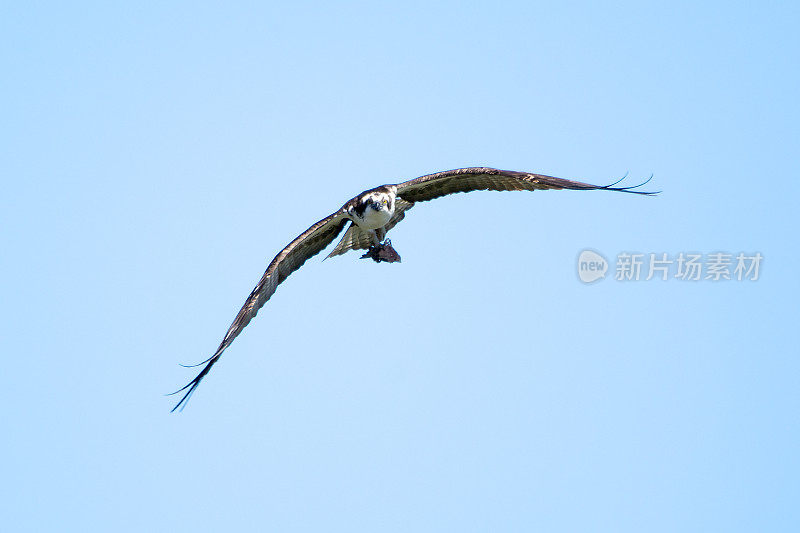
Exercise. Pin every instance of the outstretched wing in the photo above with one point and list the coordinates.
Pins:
(308, 244)
(482, 179)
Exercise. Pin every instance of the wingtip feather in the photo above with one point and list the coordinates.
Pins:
(630, 188)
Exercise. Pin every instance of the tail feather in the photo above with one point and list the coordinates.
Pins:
(354, 238)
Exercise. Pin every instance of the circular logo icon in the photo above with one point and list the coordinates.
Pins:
(591, 266)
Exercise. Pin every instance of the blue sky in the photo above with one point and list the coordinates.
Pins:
(154, 158)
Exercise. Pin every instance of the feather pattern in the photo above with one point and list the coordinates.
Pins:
(441, 184)
(354, 238)
(308, 244)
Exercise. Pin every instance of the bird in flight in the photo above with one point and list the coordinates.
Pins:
(368, 217)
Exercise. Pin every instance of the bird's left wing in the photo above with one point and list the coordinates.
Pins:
(308, 244)
(482, 179)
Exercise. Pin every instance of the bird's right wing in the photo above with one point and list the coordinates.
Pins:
(308, 244)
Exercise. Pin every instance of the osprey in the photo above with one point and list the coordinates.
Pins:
(368, 217)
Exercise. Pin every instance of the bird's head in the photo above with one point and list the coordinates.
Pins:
(379, 203)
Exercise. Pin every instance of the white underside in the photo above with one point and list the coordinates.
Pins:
(373, 219)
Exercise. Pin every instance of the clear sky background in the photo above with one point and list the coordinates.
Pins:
(154, 158)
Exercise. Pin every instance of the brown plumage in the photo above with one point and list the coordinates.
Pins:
(363, 234)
